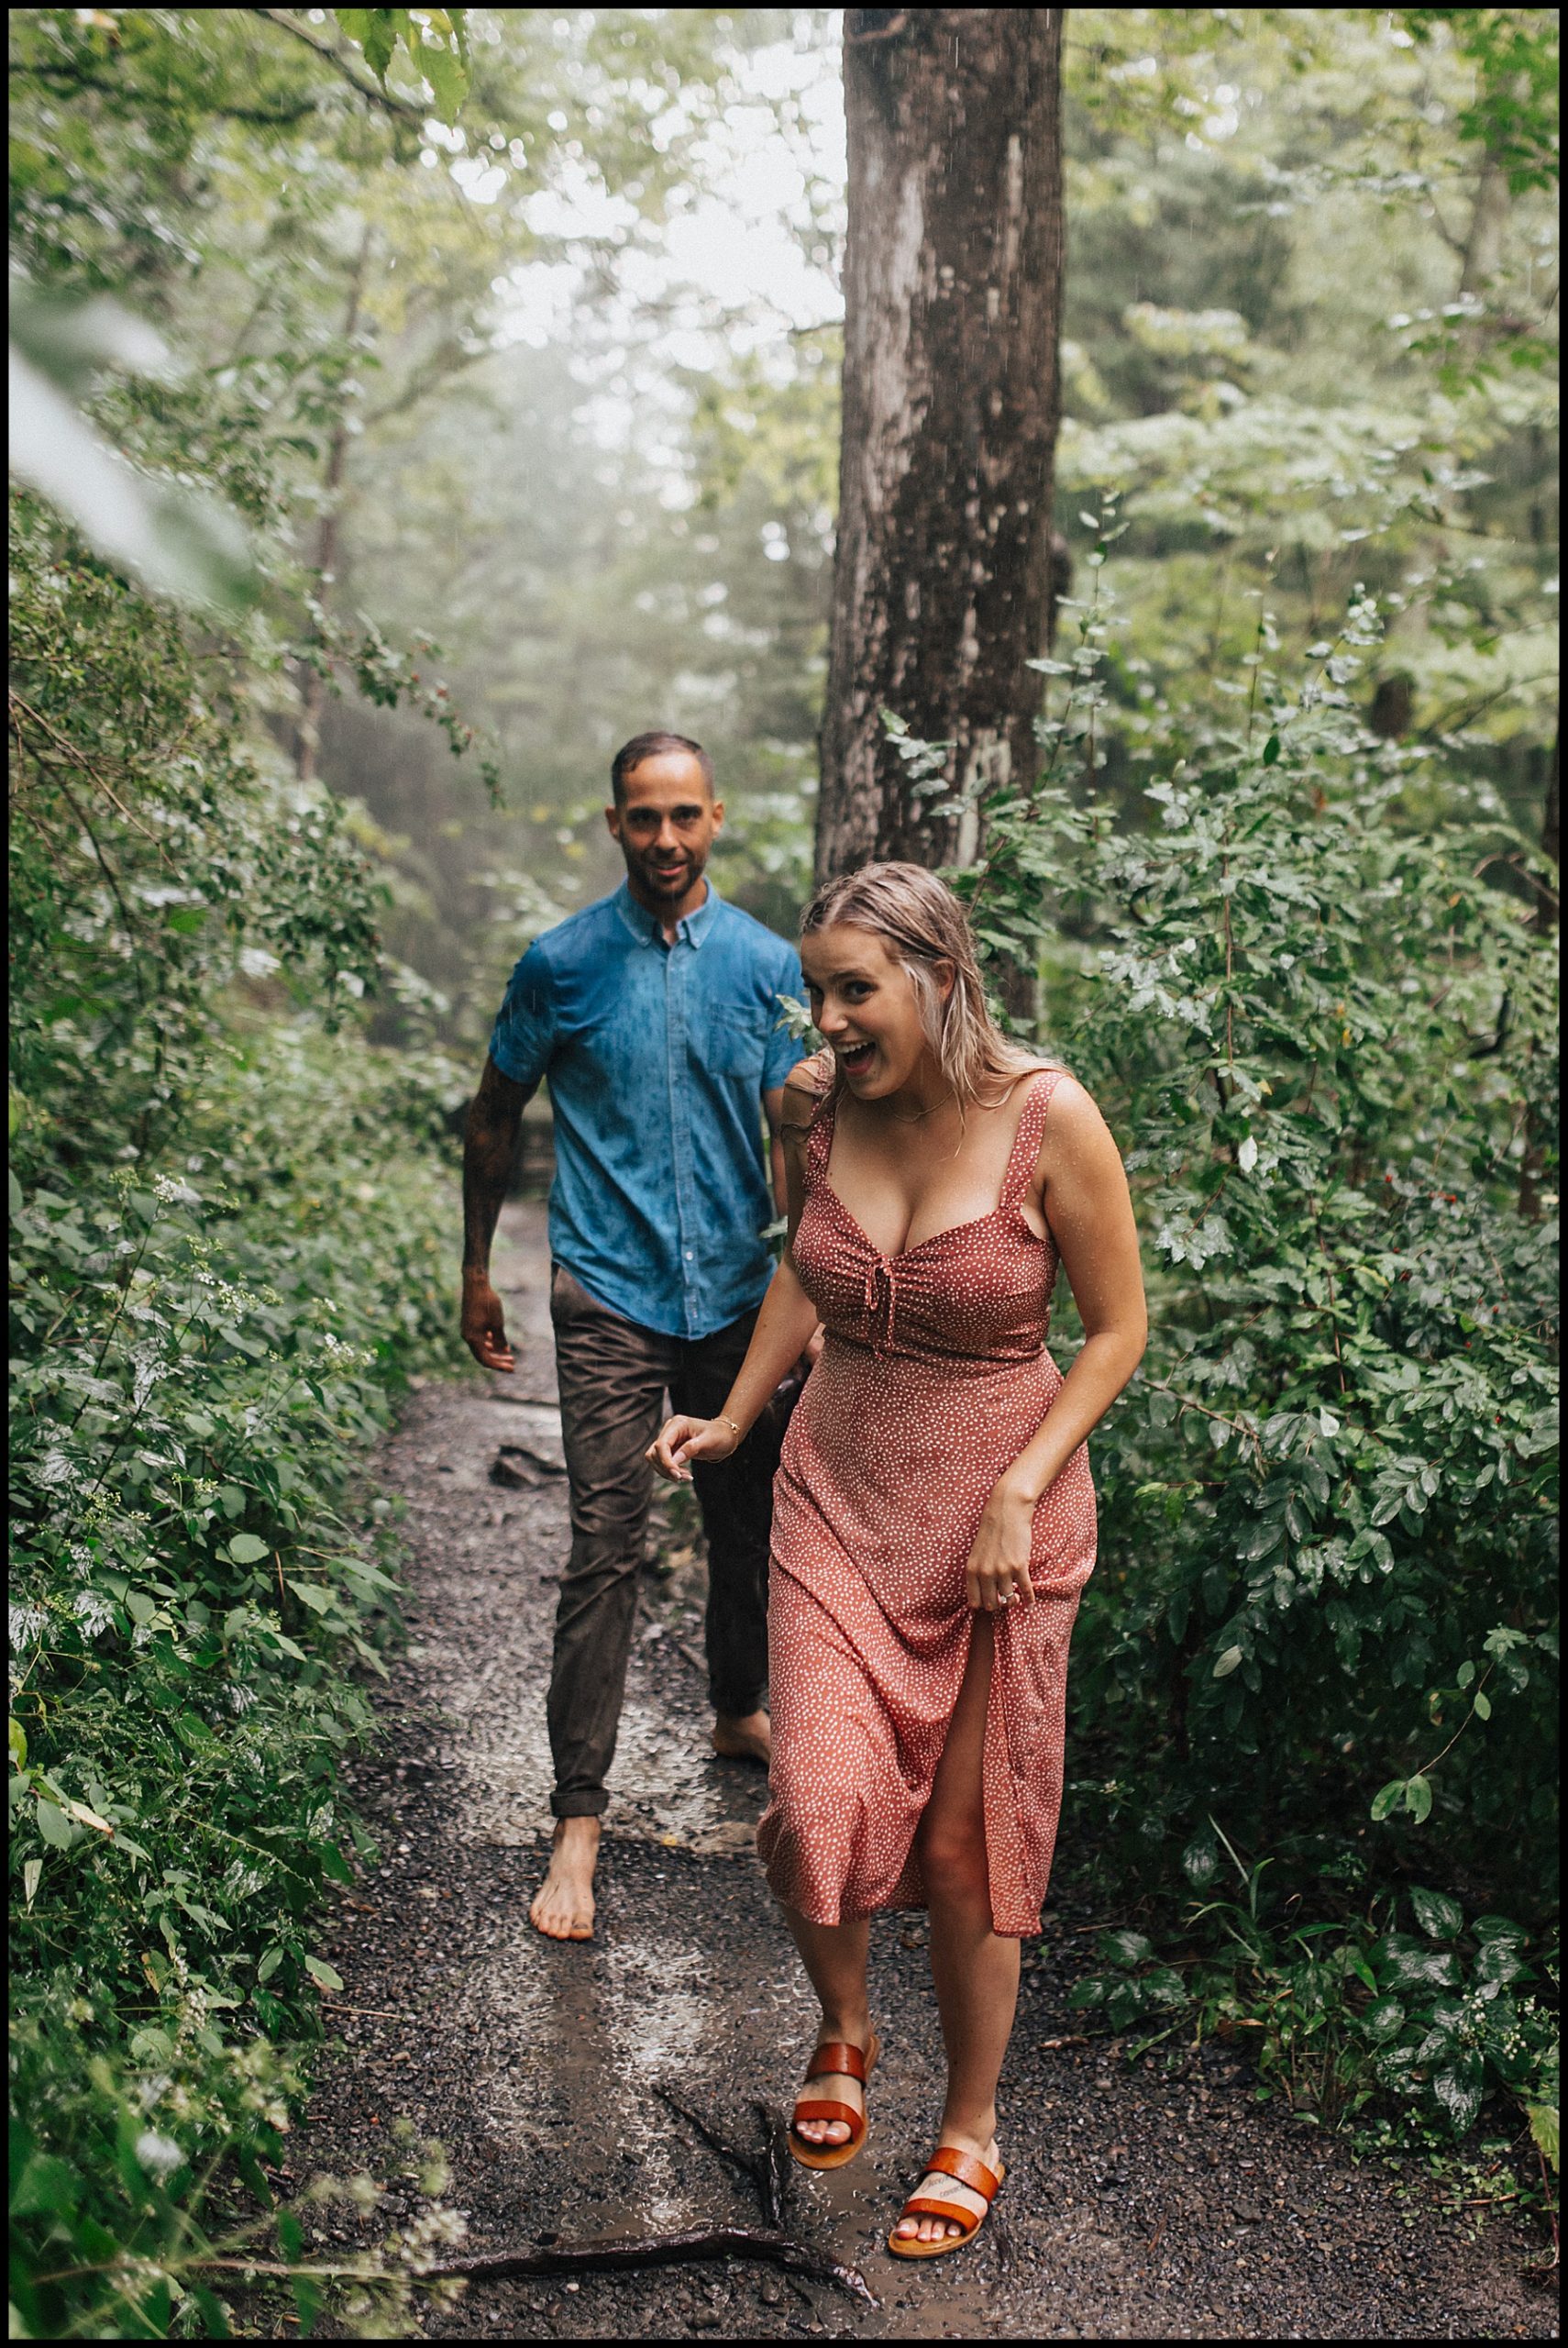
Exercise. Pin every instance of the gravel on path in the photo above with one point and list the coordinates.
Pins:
(1140, 2203)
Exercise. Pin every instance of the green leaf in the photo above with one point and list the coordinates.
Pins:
(246, 1549)
(1226, 1663)
(1457, 2090)
(16, 1737)
(319, 1970)
(180, 542)
(270, 1963)
(1199, 1863)
(1410, 1964)
(1542, 2117)
(443, 70)
(48, 2187)
(334, 1865)
(1387, 1798)
(378, 40)
(1418, 1799)
(1442, 1918)
(1271, 750)
(32, 1875)
(311, 1594)
(53, 1825)
(1124, 1948)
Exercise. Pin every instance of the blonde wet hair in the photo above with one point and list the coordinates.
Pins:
(922, 922)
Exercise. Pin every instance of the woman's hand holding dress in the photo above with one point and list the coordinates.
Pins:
(998, 1568)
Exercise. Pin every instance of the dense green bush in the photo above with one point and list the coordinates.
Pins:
(1326, 1610)
(198, 1360)
(231, 1234)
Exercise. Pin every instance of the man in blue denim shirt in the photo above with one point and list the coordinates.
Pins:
(655, 1016)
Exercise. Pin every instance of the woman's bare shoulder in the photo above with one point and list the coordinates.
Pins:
(1075, 1126)
(808, 1079)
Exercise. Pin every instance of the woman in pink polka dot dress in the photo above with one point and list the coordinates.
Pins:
(933, 1514)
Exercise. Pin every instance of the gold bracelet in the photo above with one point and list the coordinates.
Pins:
(729, 1423)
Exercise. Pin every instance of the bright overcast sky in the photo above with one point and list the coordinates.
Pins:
(734, 246)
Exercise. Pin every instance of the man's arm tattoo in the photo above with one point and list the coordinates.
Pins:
(489, 1148)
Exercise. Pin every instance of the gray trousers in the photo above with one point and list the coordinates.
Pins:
(613, 1376)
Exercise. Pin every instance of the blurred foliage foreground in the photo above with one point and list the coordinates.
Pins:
(230, 1234)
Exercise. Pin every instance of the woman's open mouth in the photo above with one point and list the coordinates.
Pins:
(856, 1059)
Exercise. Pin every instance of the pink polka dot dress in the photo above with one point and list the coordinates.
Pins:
(933, 1377)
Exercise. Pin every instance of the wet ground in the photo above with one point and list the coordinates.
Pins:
(1140, 2203)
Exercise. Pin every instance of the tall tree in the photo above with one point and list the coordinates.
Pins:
(953, 269)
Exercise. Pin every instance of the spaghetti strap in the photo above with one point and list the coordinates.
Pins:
(819, 1136)
(1026, 1140)
(820, 1124)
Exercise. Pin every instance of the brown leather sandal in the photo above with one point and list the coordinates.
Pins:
(947, 2161)
(835, 2056)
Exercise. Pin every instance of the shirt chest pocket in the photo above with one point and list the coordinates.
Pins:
(732, 1040)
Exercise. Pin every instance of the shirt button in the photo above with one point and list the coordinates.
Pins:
(689, 1254)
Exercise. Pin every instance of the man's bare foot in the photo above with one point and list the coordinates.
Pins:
(743, 1737)
(563, 1905)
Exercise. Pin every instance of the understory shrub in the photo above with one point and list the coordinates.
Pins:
(1322, 1028)
(231, 1245)
(199, 1358)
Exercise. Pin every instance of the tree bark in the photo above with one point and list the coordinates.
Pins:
(953, 270)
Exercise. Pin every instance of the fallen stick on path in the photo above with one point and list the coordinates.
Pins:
(769, 2174)
(699, 2242)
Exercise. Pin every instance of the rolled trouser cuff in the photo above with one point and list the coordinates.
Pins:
(739, 1707)
(584, 1804)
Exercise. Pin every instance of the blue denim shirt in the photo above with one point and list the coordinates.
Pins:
(656, 1058)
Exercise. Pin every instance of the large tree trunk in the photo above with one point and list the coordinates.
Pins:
(941, 585)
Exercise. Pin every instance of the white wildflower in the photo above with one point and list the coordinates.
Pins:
(159, 2156)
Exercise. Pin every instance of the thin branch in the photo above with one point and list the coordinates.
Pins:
(1464, 713)
(402, 109)
(447, 360)
(1459, 1731)
(265, 117)
(68, 749)
(1239, 1426)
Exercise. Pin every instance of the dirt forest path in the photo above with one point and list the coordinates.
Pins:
(1140, 2204)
